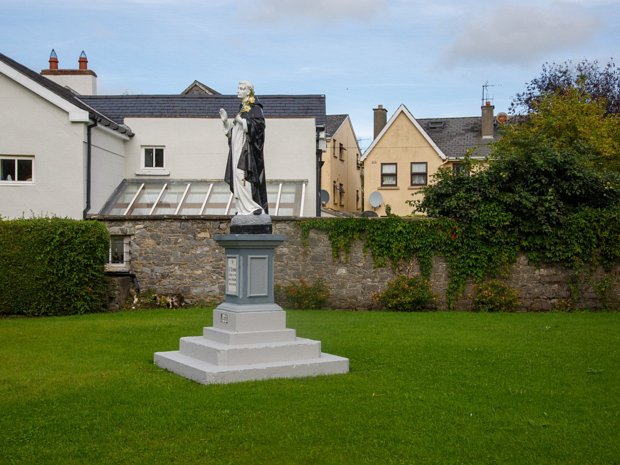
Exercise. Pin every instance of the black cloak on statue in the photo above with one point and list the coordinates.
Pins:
(252, 160)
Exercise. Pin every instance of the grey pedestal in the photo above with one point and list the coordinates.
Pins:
(249, 339)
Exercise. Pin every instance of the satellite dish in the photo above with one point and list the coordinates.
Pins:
(324, 197)
(502, 117)
(375, 199)
(369, 214)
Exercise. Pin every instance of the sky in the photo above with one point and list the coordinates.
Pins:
(432, 56)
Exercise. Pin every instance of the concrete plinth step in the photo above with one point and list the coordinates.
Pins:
(213, 352)
(224, 336)
(208, 373)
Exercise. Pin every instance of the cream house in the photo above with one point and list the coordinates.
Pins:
(406, 152)
(70, 154)
(341, 173)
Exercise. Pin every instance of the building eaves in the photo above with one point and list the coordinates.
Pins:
(67, 95)
(402, 109)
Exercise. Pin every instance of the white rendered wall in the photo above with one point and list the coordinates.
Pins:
(31, 126)
(108, 166)
(83, 84)
(196, 148)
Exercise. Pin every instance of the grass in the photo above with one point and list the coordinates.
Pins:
(427, 388)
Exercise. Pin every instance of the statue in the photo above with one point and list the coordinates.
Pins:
(245, 169)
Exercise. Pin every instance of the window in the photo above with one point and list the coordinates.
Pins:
(357, 199)
(436, 124)
(341, 152)
(341, 189)
(388, 174)
(153, 162)
(459, 168)
(153, 157)
(15, 169)
(334, 148)
(334, 192)
(419, 174)
(118, 256)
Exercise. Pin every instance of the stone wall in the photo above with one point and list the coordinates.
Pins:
(179, 255)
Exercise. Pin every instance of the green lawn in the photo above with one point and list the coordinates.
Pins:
(427, 388)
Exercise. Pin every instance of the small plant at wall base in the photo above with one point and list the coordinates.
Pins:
(302, 294)
(406, 294)
(495, 296)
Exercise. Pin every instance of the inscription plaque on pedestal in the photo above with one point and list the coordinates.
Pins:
(232, 275)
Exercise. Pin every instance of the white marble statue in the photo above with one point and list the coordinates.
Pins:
(245, 169)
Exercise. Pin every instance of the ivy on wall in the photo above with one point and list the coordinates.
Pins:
(476, 250)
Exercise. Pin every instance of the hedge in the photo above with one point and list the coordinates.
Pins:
(52, 266)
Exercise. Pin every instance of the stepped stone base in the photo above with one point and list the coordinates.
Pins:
(246, 346)
(207, 373)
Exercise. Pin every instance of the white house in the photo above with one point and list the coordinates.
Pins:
(74, 155)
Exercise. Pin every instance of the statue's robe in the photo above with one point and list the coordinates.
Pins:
(252, 160)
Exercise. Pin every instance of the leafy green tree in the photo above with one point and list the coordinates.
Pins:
(601, 82)
(545, 176)
(568, 120)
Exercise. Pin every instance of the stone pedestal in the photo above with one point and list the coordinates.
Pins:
(249, 339)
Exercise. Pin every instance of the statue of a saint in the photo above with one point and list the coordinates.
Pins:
(245, 169)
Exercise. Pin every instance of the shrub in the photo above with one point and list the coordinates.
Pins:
(406, 294)
(495, 296)
(301, 294)
(52, 266)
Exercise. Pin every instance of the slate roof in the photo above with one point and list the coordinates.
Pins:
(333, 123)
(66, 94)
(119, 107)
(198, 87)
(455, 135)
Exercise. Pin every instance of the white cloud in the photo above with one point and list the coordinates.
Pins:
(317, 10)
(520, 34)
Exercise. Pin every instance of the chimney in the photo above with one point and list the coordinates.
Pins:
(53, 60)
(82, 81)
(83, 61)
(488, 121)
(380, 119)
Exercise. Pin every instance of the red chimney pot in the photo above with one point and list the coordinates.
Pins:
(53, 60)
(83, 61)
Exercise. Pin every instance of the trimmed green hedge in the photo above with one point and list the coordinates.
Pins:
(52, 266)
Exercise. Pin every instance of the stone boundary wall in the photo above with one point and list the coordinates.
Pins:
(179, 255)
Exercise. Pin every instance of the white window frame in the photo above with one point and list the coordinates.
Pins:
(126, 263)
(16, 158)
(152, 170)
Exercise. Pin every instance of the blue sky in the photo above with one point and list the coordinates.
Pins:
(433, 56)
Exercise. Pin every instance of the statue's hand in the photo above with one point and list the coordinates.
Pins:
(238, 119)
(223, 115)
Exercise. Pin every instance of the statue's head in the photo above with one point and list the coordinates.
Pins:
(244, 89)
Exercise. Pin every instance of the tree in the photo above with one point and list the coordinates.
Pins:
(561, 162)
(599, 82)
(568, 119)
